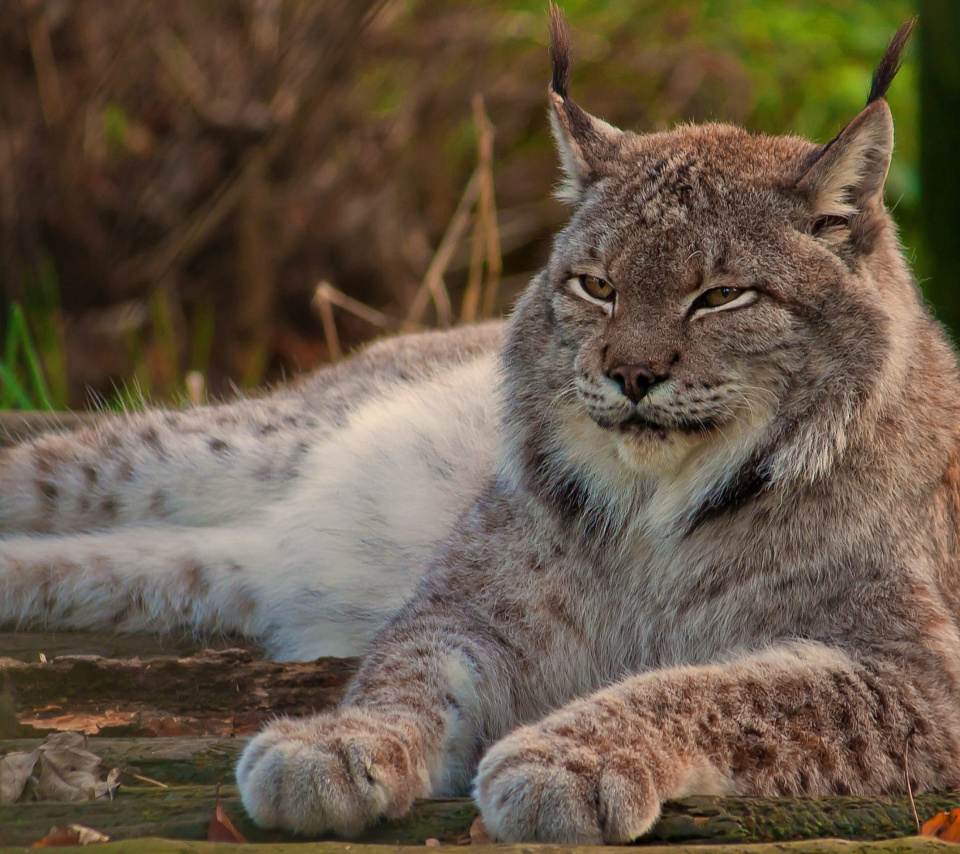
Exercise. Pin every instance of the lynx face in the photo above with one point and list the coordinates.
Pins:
(677, 324)
(719, 300)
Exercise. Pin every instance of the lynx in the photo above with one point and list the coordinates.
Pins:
(693, 530)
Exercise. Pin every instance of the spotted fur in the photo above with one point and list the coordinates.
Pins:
(739, 575)
(746, 573)
(300, 520)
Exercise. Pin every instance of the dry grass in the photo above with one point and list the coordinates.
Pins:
(190, 169)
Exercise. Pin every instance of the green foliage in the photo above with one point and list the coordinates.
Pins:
(23, 383)
(804, 65)
(390, 157)
(810, 64)
(115, 125)
(33, 373)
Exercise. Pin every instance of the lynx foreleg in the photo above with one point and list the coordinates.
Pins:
(799, 720)
(412, 725)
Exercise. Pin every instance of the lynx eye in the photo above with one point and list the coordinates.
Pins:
(717, 296)
(597, 288)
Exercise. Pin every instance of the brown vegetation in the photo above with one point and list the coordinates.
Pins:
(177, 177)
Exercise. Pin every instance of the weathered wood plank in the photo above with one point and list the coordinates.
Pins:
(232, 685)
(911, 845)
(201, 682)
(183, 812)
(28, 646)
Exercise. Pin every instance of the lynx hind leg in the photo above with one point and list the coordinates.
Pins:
(203, 466)
(156, 579)
(213, 464)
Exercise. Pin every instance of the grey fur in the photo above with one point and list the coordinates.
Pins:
(743, 580)
(749, 574)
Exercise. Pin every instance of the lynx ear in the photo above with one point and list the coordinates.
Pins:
(585, 143)
(847, 177)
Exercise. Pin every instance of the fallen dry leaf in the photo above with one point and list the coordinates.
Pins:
(65, 741)
(15, 769)
(221, 829)
(68, 771)
(72, 834)
(176, 726)
(944, 825)
(106, 788)
(479, 835)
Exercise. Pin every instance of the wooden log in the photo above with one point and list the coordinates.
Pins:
(28, 646)
(911, 845)
(225, 686)
(213, 680)
(182, 812)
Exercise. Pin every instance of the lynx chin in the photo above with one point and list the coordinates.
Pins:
(688, 523)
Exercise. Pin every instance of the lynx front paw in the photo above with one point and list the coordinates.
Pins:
(338, 772)
(537, 786)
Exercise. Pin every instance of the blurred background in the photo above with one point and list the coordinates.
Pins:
(204, 195)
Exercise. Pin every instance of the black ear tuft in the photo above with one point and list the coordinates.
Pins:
(587, 145)
(890, 63)
(559, 51)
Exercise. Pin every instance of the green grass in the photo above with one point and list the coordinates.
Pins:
(33, 371)
(23, 378)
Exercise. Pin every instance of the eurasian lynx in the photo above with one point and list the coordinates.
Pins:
(709, 543)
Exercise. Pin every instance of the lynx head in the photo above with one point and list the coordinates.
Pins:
(722, 308)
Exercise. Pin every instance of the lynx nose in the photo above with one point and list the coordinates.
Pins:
(634, 380)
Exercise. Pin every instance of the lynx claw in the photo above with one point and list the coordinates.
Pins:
(336, 773)
(535, 787)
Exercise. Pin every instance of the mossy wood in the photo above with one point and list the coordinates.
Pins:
(172, 761)
(230, 684)
(182, 812)
(910, 845)
(28, 646)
